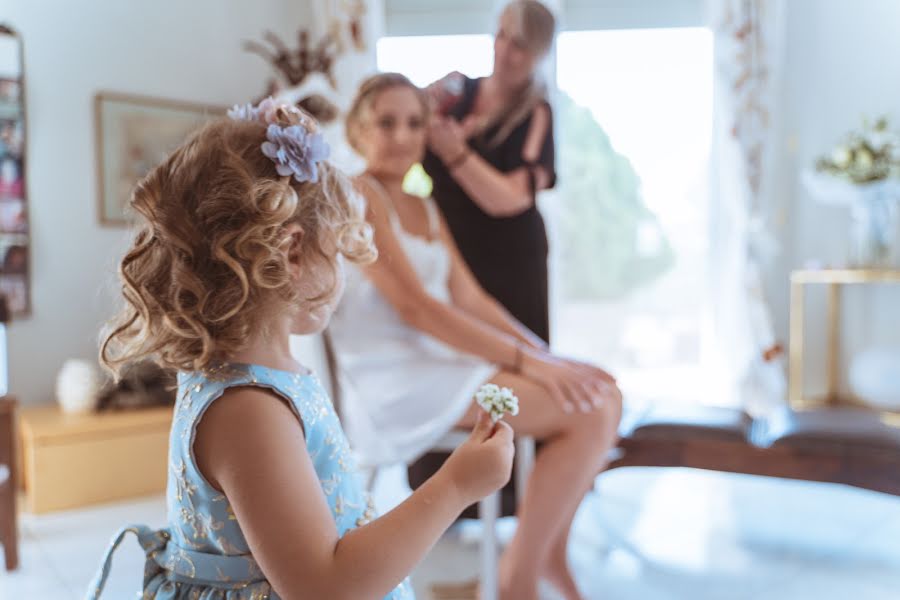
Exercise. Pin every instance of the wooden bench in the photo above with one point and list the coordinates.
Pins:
(850, 446)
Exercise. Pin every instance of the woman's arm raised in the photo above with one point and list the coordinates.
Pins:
(497, 194)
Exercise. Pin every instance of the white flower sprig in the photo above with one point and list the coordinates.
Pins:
(497, 401)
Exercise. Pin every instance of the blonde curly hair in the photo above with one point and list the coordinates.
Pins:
(209, 266)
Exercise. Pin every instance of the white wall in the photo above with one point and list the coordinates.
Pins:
(841, 63)
(166, 48)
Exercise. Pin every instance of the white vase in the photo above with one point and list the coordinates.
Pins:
(77, 385)
(874, 215)
(873, 237)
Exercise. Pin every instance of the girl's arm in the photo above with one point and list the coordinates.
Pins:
(250, 445)
(498, 194)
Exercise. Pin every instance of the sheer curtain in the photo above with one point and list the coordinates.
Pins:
(747, 47)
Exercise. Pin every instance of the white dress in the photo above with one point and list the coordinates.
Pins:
(401, 390)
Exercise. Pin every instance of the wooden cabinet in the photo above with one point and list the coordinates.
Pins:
(71, 461)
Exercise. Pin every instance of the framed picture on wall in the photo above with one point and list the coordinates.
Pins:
(134, 134)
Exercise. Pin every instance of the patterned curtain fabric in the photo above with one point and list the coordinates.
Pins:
(747, 41)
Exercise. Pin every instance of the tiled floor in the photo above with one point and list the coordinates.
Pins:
(648, 534)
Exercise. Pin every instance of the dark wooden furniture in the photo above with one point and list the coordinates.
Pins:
(850, 446)
(9, 534)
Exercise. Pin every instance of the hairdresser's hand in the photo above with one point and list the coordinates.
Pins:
(445, 92)
(573, 386)
(446, 138)
(483, 464)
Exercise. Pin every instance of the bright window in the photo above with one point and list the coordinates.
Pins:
(630, 216)
(425, 59)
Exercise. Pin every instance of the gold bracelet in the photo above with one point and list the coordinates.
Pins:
(517, 365)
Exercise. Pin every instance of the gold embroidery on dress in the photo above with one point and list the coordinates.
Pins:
(179, 562)
(183, 487)
(253, 569)
(227, 546)
(330, 485)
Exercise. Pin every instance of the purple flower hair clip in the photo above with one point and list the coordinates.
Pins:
(296, 149)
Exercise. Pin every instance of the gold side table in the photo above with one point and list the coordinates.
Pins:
(834, 279)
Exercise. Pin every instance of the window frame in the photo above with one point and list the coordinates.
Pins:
(452, 17)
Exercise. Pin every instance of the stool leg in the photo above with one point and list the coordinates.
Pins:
(11, 552)
(488, 512)
(525, 451)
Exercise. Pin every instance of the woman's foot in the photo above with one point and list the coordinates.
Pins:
(558, 574)
(516, 583)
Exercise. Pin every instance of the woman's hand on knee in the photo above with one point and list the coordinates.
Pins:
(594, 372)
(599, 383)
(570, 385)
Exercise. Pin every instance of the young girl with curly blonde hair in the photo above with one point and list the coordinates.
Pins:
(245, 229)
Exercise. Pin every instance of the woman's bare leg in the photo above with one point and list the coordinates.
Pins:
(574, 447)
(557, 570)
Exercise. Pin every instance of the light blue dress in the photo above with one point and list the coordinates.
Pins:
(202, 554)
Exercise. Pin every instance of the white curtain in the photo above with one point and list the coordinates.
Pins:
(747, 36)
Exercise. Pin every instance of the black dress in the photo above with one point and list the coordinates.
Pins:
(508, 255)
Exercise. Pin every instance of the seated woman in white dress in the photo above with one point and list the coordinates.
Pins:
(415, 337)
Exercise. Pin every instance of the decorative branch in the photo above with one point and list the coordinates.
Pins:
(296, 66)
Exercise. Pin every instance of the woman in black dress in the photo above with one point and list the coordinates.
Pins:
(491, 150)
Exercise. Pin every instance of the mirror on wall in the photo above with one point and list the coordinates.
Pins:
(14, 246)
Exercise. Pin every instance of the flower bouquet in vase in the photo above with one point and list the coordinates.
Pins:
(863, 173)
